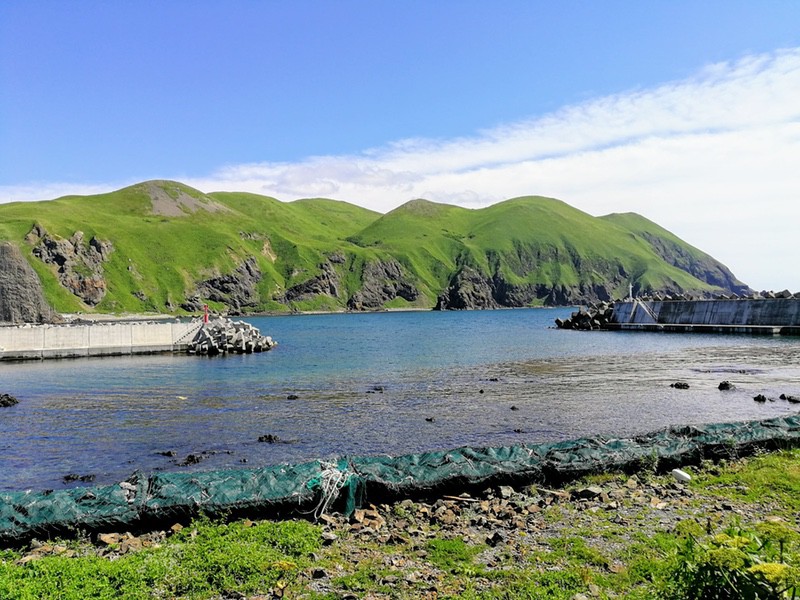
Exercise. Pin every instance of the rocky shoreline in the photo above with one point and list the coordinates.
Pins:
(394, 550)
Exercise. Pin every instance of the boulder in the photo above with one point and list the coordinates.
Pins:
(726, 386)
(7, 400)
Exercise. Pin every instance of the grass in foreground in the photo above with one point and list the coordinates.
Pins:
(731, 534)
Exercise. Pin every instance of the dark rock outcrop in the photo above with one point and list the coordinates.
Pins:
(79, 266)
(468, 290)
(21, 295)
(7, 400)
(471, 289)
(382, 281)
(237, 290)
(326, 283)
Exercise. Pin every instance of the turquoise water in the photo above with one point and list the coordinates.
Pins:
(381, 383)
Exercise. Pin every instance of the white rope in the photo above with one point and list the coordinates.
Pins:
(332, 480)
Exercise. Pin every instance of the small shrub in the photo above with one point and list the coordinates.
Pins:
(734, 565)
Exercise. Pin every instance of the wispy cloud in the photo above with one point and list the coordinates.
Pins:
(714, 158)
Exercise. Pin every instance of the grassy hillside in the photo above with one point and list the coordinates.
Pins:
(168, 239)
(529, 240)
(676, 252)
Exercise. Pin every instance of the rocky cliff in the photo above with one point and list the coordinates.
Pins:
(326, 283)
(237, 290)
(79, 265)
(382, 282)
(469, 289)
(21, 296)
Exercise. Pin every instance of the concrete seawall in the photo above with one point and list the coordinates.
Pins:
(25, 342)
(767, 316)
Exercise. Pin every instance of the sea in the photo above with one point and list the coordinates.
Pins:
(392, 383)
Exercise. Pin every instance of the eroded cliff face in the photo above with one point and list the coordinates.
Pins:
(79, 266)
(382, 282)
(327, 283)
(21, 296)
(469, 289)
(237, 290)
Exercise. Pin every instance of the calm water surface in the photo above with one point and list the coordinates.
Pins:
(366, 383)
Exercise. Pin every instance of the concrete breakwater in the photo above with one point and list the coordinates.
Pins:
(767, 316)
(223, 335)
(30, 342)
(761, 315)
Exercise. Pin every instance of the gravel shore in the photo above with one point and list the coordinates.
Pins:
(596, 538)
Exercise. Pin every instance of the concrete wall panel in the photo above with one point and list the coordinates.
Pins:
(13, 339)
(117, 335)
(61, 337)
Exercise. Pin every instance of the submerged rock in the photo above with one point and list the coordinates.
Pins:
(7, 400)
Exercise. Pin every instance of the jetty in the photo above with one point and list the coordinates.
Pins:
(73, 340)
(766, 314)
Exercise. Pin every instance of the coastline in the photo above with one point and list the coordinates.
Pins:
(103, 317)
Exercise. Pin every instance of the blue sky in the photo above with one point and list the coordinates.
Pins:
(685, 112)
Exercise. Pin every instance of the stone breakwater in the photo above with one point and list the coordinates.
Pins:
(596, 316)
(223, 335)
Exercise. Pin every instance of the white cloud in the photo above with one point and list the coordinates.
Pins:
(714, 158)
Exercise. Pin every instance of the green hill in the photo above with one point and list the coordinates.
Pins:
(161, 246)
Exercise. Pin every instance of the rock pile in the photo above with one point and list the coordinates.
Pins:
(596, 316)
(223, 335)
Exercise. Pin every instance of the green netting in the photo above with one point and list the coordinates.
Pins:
(27, 514)
(318, 486)
(216, 491)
